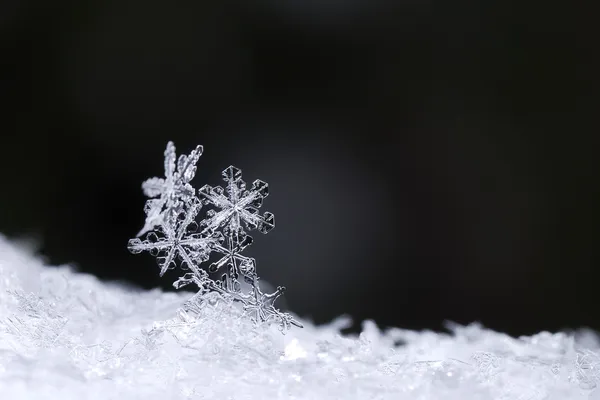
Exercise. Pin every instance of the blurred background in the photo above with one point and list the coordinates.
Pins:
(426, 161)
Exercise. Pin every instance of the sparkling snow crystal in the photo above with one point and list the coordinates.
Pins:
(239, 204)
(169, 194)
(176, 240)
(174, 236)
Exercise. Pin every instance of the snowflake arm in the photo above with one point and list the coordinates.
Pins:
(155, 187)
(200, 278)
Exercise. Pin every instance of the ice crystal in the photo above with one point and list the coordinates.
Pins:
(176, 237)
(38, 324)
(235, 261)
(169, 194)
(177, 240)
(587, 368)
(239, 205)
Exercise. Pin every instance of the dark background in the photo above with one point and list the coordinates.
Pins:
(427, 160)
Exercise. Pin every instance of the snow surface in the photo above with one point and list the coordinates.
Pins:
(66, 335)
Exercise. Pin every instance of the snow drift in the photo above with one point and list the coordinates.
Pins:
(66, 335)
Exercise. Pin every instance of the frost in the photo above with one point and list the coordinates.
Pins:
(68, 336)
(176, 239)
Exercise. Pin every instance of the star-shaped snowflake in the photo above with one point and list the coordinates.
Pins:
(235, 261)
(237, 205)
(176, 241)
(169, 194)
(260, 306)
(173, 237)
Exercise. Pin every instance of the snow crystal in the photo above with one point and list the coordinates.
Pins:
(239, 204)
(68, 336)
(172, 235)
(172, 191)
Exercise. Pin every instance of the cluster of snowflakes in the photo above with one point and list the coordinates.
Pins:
(173, 233)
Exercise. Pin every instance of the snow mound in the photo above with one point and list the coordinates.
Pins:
(66, 335)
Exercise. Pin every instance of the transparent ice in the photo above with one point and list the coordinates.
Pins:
(169, 194)
(178, 241)
(178, 238)
(237, 205)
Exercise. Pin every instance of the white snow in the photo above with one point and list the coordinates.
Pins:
(66, 335)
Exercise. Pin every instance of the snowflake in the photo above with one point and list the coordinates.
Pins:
(260, 307)
(239, 205)
(173, 190)
(177, 240)
(236, 262)
(173, 236)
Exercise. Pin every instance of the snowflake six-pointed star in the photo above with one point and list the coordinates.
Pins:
(173, 190)
(178, 241)
(237, 206)
(171, 213)
(232, 257)
(261, 307)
